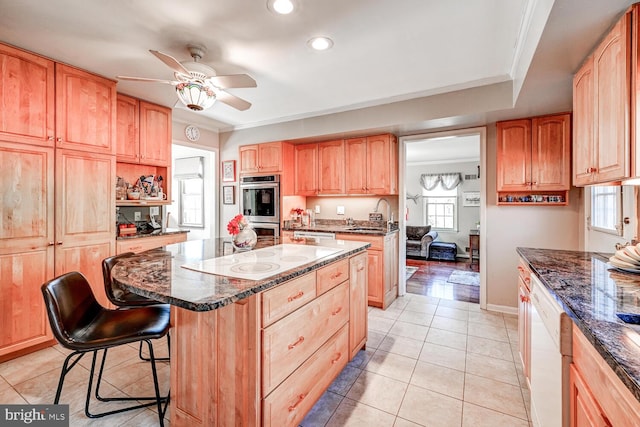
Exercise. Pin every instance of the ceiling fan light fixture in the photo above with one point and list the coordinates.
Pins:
(196, 96)
(320, 43)
(282, 7)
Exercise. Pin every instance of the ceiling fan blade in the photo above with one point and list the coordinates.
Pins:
(233, 81)
(144, 79)
(233, 101)
(171, 62)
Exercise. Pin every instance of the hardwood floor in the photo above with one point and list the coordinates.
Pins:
(431, 279)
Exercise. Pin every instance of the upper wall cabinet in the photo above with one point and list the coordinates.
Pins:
(264, 158)
(85, 111)
(27, 97)
(533, 160)
(602, 99)
(306, 169)
(372, 165)
(331, 167)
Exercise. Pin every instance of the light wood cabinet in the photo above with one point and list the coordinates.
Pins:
(85, 111)
(533, 157)
(127, 129)
(264, 158)
(382, 267)
(141, 244)
(306, 169)
(372, 165)
(155, 134)
(597, 396)
(27, 97)
(602, 109)
(332, 275)
(331, 167)
(357, 304)
(524, 318)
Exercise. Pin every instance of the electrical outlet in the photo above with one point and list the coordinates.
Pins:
(154, 210)
(340, 210)
(317, 208)
(137, 216)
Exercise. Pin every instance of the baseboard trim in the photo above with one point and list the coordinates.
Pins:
(502, 309)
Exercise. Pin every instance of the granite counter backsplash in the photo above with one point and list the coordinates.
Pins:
(593, 295)
(158, 274)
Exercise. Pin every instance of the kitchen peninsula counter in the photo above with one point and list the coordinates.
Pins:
(592, 295)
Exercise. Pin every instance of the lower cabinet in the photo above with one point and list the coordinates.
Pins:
(524, 318)
(597, 396)
(267, 359)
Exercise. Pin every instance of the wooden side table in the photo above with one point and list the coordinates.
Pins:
(474, 248)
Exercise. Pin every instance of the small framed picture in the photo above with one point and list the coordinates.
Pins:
(471, 198)
(229, 171)
(229, 195)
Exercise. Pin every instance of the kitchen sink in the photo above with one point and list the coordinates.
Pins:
(630, 318)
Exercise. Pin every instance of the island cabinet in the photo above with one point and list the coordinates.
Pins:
(267, 359)
(58, 197)
(597, 396)
(382, 267)
(524, 318)
(372, 165)
(534, 159)
(604, 108)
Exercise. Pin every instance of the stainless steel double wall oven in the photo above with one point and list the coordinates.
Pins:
(260, 203)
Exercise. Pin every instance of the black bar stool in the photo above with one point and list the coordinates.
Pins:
(122, 298)
(81, 324)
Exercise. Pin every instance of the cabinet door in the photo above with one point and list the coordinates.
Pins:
(127, 130)
(583, 125)
(357, 303)
(270, 157)
(249, 159)
(550, 153)
(376, 276)
(27, 97)
(584, 410)
(85, 111)
(391, 269)
(611, 72)
(331, 171)
(381, 173)
(356, 164)
(306, 169)
(514, 155)
(155, 134)
(524, 328)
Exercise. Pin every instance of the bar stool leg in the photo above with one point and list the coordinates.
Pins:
(64, 371)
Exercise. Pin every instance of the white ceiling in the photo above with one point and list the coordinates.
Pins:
(384, 50)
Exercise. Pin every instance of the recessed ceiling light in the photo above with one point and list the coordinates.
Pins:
(320, 43)
(283, 7)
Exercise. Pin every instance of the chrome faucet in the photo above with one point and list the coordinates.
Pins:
(389, 219)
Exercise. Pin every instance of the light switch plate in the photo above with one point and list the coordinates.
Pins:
(340, 210)
(137, 216)
(317, 208)
(154, 210)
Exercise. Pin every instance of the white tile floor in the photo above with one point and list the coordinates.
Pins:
(428, 362)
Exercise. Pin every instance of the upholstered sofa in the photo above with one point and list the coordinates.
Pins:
(419, 239)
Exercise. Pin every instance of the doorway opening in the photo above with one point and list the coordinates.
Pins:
(443, 184)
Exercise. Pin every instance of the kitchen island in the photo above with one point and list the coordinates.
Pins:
(255, 349)
(606, 350)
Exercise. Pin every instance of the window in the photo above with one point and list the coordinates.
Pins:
(606, 209)
(192, 202)
(441, 208)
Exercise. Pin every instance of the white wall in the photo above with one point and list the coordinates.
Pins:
(468, 216)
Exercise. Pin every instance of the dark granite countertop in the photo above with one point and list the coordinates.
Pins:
(592, 295)
(374, 228)
(166, 232)
(158, 273)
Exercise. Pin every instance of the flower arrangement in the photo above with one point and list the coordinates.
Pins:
(296, 211)
(237, 223)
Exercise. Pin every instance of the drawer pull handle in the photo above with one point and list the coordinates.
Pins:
(520, 269)
(527, 280)
(338, 310)
(335, 276)
(524, 298)
(296, 296)
(298, 402)
(299, 341)
(334, 361)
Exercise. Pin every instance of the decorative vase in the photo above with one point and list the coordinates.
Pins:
(245, 240)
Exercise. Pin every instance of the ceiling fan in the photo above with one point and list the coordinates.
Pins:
(197, 85)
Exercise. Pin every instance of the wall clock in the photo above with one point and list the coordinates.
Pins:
(192, 133)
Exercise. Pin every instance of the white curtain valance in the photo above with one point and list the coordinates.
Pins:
(449, 181)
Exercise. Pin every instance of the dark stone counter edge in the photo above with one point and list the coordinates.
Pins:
(144, 236)
(260, 285)
(629, 381)
(338, 230)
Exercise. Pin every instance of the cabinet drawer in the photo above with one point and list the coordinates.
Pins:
(377, 242)
(290, 402)
(282, 300)
(525, 274)
(290, 341)
(145, 243)
(332, 275)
